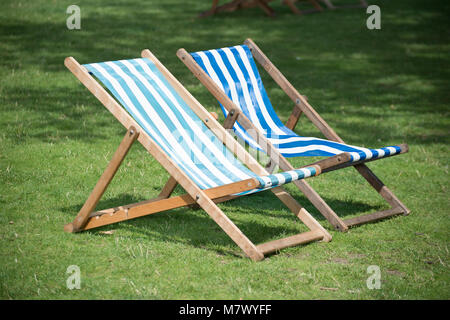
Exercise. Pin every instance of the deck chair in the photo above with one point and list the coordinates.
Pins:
(330, 5)
(263, 4)
(231, 75)
(291, 4)
(197, 152)
(238, 4)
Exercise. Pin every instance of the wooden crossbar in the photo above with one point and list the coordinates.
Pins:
(305, 237)
(144, 208)
(371, 217)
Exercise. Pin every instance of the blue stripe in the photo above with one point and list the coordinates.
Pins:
(251, 91)
(227, 91)
(139, 107)
(238, 129)
(187, 145)
(263, 91)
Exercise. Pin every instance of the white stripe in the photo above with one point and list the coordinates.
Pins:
(247, 97)
(262, 105)
(312, 147)
(181, 156)
(282, 179)
(199, 133)
(381, 153)
(276, 140)
(392, 150)
(229, 79)
(355, 156)
(161, 125)
(205, 139)
(234, 95)
(232, 85)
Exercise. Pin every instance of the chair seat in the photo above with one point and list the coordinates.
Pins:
(295, 146)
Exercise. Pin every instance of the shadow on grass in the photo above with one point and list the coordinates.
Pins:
(261, 217)
(55, 114)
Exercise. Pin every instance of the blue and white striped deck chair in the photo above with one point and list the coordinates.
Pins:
(161, 114)
(232, 76)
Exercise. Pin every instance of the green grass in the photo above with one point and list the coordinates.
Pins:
(374, 87)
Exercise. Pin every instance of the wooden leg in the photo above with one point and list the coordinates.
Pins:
(230, 228)
(265, 7)
(211, 11)
(384, 191)
(317, 232)
(292, 6)
(316, 5)
(293, 118)
(343, 225)
(230, 119)
(168, 188)
(321, 205)
(329, 4)
(271, 166)
(214, 6)
(362, 4)
(294, 9)
(256, 253)
(300, 212)
(103, 182)
(227, 7)
(292, 121)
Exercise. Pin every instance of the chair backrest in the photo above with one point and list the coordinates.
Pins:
(234, 70)
(155, 105)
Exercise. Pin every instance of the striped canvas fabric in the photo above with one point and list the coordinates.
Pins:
(234, 71)
(155, 105)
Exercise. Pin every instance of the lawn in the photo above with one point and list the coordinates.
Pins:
(374, 87)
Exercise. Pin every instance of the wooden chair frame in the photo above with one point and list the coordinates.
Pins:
(237, 4)
(206, 199)
(301, 107)
(297, 11)
(330, 5)
(263, 4)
